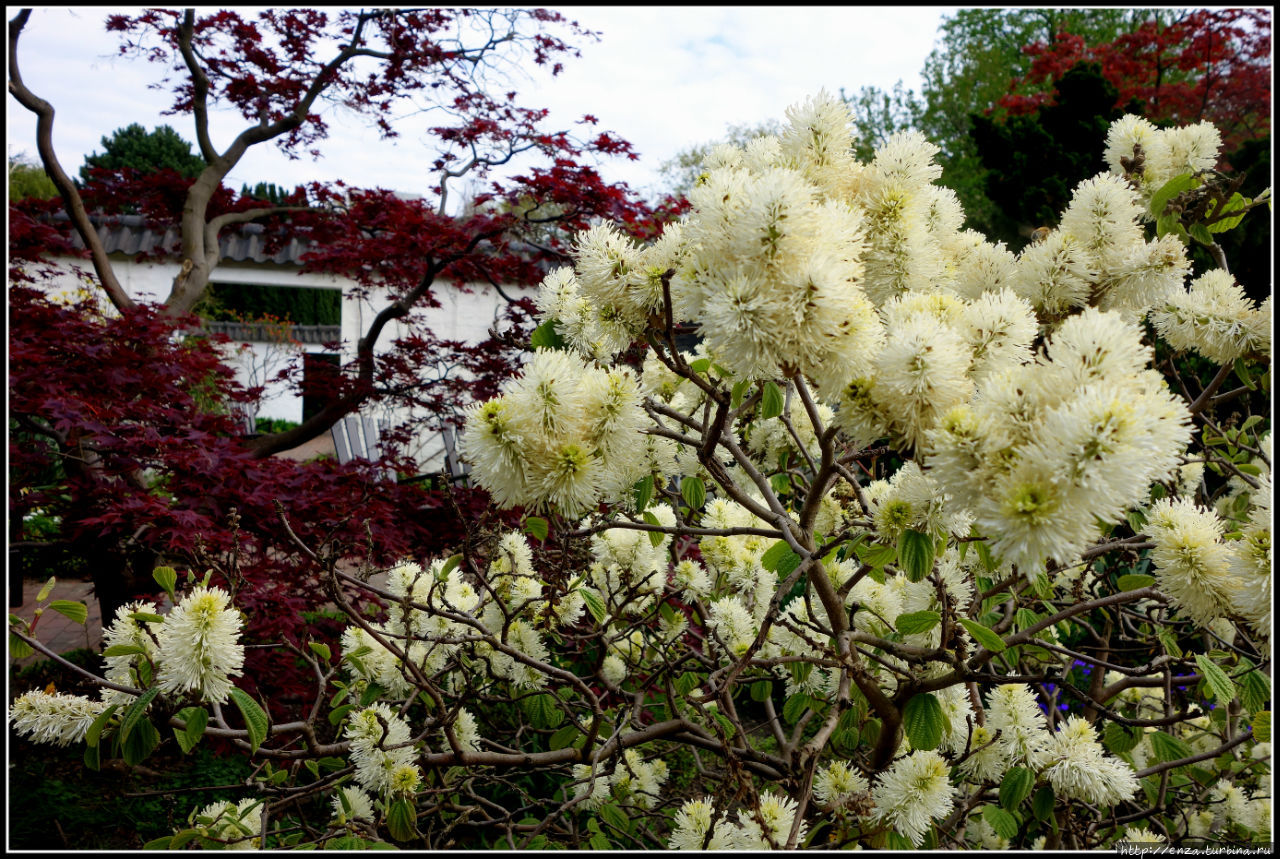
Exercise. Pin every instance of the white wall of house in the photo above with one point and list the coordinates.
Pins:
(461, 315)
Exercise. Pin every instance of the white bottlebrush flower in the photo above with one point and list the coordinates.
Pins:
(1192, 563)
(837, 783)
(1142, 835)
(732, 625)
(768, 825)
(1103, 216)
(238, 824)
(1055, 274)
(1129, 131)
(125, 630)
(637, 781)
(593, 791)
(1213, 317)
(1192, 148)
(987, 761)
(525, 638)
(999, 327)
(464, 729)
(58, 718)
(361, 805)
(378, 747)
(1024, 734)
(1078, 767)
(922, 372)
(692, 823)
(199, 645)
(913, 793)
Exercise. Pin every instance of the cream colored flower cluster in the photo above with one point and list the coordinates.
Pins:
(696, 828)
(564, 434)
(1047, 449)
(1164, 152)
(1214, 318)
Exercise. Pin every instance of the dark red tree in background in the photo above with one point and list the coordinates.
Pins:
(119, 421)
(1212, 64)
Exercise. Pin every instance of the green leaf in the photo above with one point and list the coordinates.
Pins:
(594, 602)
(984, 636)
(1236, 203)
(1241, 369)
(1201, 233)
(1120, 740)
(781, 483)
(1133, 581)
(771, 401)
(312, 767)
(77, 611)
(133, 714)
(897, 842)
(564, 737)
(702, 365)
(183, 837)
(123, 650)
(401, 819)
(1169, 641)
(644, 493)
(915, 554)
(787, 564)
(1042, 803)
(795, 707)
(147, 617)
(255, 718)
(655, 537)
(984, 556)
(1255, 691)
(1016, 787)
(542, 710)
(537, 526)
(1216, 681)
(167, 578)
(46, 589)
(923, 721)
(196, 720)
(545, 336)
(614, 816)
(769, 560)
(1168, 748)
(599, 842)
(161, 843)
(94, 733)
(875, 555)
(1166, 192)
(1004, 823)
(340, 713)
(142, 741)
(739, 391)
(93, 757)
(319, 648)
(917, 622)
(1262, 726)
(693, 492)
(19, 649)
(686, 683)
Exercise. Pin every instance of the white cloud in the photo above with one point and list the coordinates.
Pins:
(663, 78)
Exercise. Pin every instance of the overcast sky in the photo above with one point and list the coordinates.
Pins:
(664, 78)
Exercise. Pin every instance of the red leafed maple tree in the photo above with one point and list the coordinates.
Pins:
(123, 410)
(1209, 64)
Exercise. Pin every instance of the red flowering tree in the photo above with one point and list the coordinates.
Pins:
(119, 422)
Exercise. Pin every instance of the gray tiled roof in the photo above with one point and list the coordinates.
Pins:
(130, 235)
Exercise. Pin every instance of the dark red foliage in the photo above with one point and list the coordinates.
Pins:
(1209, 64)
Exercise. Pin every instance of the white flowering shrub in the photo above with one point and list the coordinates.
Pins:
(926, 544)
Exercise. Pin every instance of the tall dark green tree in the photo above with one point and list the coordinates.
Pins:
(28, 179)
(147, 151)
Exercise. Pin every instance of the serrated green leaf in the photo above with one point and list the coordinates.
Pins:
(702, 365)
(1262, 726)
(594, 602)
(1237, 202)
(312, 767)
(771, 401)
(655, 537)
(781, 483)
(545, 336)
(564, 737)
(613, 816)
(1201, 233)
(133, 714)
(984, 636)
(542, 710)
(536, 526)
(1042, 803)
(1016, 787)
(1169, 641)
(401, 820)
(787, 564)
(769, 560)
(1255, 691)
(738, 392)
(76, 611)
(686, 683)
(1166, 192)
(161, 843)
(761, 690)
(795, 706)
(319, 648)
(19, 649)
(875, 555)
(916, 622)
(340, 713)
(915, 554)
(644, 493)
(1216, 681)
(923, 721)
(142, 741)
(1133, 581)
(147, 617)
(1004, 823)
(255, 718)
(196, 720)
(46, 589)
(599, 842)
(693, 491)
(1168, 748)
(167, 578)
(94, 733)
(1120, 740)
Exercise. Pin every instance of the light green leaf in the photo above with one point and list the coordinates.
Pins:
(1004, 823)
(1255, 691)
(1168, 748)
(123, 650)
(923, 721)
(146, 617)
(761, 690)
(1133, 581)
(542, 710)
(644, 493)
(594, 603)
(564, 737)
(545, 336)
(196, 720)
(787, 564)
(984, 636)
(1237, 203)
(655, 537)
(1120, 740)
(693, 491)
(19, 649)
(739, 391)
(1166, 192)
(1216, 681)
(319, 648)
(167, 578)
(875, 555)
(46, 589)
(1168, 641)
(133, 714)
(1201, 233)
(1262, 726)
(917, 622)
(771, 401)
(255, 718)
(702, 365)
(77, 611)
(1042, 804)
(537, 526)
(94, 733)
(401, 820)
(915, 554)
(613, 816)
(795, 706)
(161, 843)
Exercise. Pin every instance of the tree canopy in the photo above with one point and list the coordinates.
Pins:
(135, 148)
